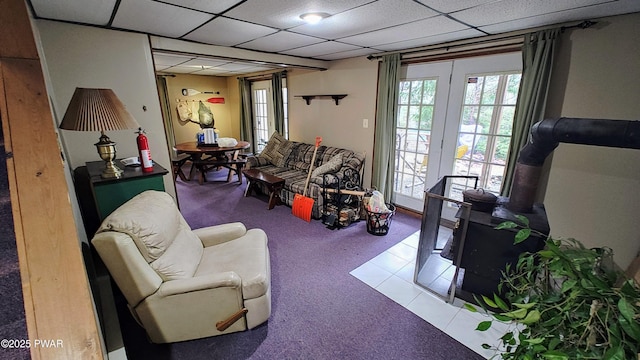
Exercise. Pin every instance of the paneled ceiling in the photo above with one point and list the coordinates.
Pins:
(350, 28)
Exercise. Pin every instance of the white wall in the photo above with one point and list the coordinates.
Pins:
(593, 192)
(341, 125)
(81, 56)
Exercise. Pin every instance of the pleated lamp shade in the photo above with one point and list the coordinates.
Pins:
(97, 110)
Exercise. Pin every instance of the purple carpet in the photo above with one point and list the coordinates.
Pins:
(319, 310)
(12, 317)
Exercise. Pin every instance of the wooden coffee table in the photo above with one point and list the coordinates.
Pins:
(273, 183)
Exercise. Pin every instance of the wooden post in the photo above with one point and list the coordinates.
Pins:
(58, 304)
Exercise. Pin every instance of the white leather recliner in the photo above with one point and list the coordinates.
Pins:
(183, 284)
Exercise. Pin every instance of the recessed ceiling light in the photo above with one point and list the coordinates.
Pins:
(313, 18)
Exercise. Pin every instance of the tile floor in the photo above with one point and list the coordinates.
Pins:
(391, 273)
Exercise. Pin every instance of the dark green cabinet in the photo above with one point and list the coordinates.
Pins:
(111, 193)
(99, 197)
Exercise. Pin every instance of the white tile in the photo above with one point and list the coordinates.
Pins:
(371, 274)
(413, 239)
(404, 251)
(407, 272)
(433, 310)
(399, 290)
(463, 326)
(389, 262)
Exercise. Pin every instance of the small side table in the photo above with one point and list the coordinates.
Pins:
(109, 194)
(273, 184)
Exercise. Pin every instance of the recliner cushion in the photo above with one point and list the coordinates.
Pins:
(247, 256)
(165, 240)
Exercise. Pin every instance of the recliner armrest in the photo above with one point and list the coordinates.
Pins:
(218, 234)
(212, 281)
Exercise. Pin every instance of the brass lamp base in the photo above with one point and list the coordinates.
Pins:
(107, 151)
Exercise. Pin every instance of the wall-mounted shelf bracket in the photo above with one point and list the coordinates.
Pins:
(335, 98)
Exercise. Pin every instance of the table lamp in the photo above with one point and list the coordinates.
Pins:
(99, 110)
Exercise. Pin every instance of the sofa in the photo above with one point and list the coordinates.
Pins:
(334, 167)
(182, 284)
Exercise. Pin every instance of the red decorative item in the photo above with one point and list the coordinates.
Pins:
(216, 100)
(144, 152)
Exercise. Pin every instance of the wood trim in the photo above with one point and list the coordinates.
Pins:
(15, 23)
(57, 297)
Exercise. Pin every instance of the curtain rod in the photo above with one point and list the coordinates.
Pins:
(514, 35)
(263, 75)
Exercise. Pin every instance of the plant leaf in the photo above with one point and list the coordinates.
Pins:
(516, 314)
(523, 219)
(522, 235)
(470, 307)
(502, 317)
(489, 302)
(501, 304)
(525, 306)
(555, 355)
(532, 317)
(484, 325)
(534, 341)
(506, 225)
(616, 353)
(568, 285)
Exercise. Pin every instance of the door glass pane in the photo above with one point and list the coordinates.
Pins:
(485, 130)
(261, 118)
(416, 103)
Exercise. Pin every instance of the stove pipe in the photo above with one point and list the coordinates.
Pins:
(545, 137)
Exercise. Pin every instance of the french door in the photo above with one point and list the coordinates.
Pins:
(263, 112)
(454, 118)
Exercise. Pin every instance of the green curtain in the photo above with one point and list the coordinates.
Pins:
(537, 55)
(246, 122)
(165, 106)
(278, 103)
(384, 147)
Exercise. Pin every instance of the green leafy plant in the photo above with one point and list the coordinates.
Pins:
(567, 302)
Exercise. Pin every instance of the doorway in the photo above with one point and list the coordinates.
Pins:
(263, 112)
(454, 118)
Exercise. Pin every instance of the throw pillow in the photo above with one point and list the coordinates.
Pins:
(270, 151)
(330, 166)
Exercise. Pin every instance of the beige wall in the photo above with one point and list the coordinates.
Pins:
(592, 191)
(592, 194)
(222, 114)
(81, 56)
(340, 125)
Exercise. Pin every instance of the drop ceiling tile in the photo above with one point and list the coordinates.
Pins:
(346, 54)
(169, 59)
(96, 12)
(327, 47)
(179, 69)
(498, 12)
(373, 16)
(228, 32)
(214, 7)
(159, 19)
(586, 13)
(453, 5)
(161, 67)
(430, 40)
(282, 40)
(206, 62)
(414, 30)
(285, 14)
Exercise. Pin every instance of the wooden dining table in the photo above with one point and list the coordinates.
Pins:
(218, 156)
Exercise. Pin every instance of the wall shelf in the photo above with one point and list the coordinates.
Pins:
(335, 97)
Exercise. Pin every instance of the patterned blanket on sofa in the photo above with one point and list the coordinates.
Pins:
(290, 160)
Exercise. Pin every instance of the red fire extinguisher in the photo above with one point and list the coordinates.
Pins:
(144, 152)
